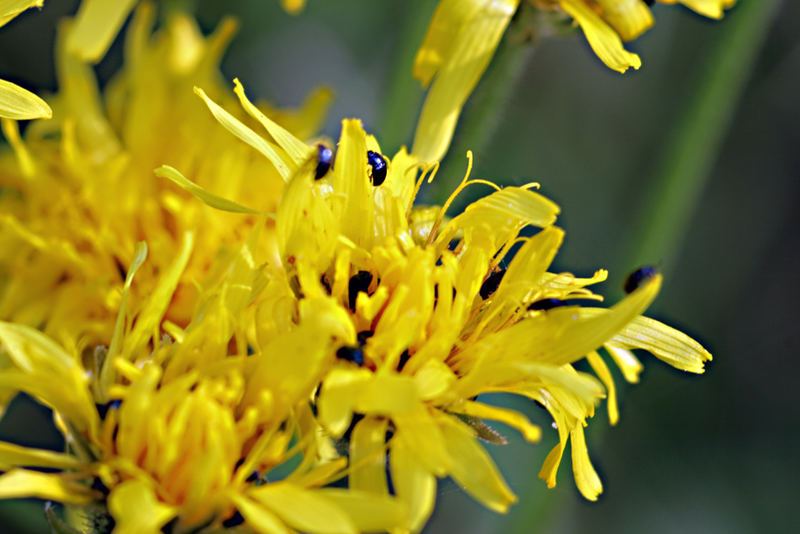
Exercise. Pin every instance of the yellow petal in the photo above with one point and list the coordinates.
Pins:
(48, 372)
(11, 131)
(447, 21)
(165, 171)
(710, 8)
(240, 130)
(602, 38)
(337, 397)
(137, 510)
(297, 150)
(306, 226)
(368, 456)
(473, 469)
(388, 394)
(150, 317)
(97, 24)
(585, 476)
(20, 483)
(413, 484)
(369, 513)
(420, 432)
(259, 518)
(550, 465)
(664, 342)
(467, 58)
(629, 18)
(350, 180)
(627, 362)
(526, 269)
(303, 509)
(11, 8)
(502, 213)
(84, 104)
(563, 335)
(20, 104)
(434, 378)
(139, 256)
(16, 456)
(602, 371)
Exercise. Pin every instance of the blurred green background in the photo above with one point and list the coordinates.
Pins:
(711, 453)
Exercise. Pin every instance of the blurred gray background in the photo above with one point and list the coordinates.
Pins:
(711, 453)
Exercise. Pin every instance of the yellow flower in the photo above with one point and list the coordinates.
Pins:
(464, 34)
(293, 6)
(427, 318)
(81, 191)
(188, 428)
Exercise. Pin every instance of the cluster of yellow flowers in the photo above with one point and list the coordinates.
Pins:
(223, 339)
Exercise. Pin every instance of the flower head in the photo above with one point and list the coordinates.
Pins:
(81, 191)
(427, 318)
(187, 427)
(464, 34)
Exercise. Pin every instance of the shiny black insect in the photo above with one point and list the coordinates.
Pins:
(491, 283)
(546, 304)
(379, 167)
(351, 354)
(355, 354)
(324, 161)
(638, 277)
(403, 360)
(358, 283)
(103, 409)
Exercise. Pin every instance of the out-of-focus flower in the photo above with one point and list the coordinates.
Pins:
(293, 6)
(81, 191)
(428, 318)
(464, 34)
(187, 427)
(15, 102)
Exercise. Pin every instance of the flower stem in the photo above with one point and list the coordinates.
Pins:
(690, 153)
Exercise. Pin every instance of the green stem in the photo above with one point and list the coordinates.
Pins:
(483, 114)
(689, 155)
(404, 93)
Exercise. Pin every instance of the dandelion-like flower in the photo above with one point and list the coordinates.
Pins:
(81, 191)
(464, 34)
(186, 428)
(430, 319)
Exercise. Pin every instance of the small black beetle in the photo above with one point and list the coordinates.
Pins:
(379, 167)
(638, 277)
(324, 161)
